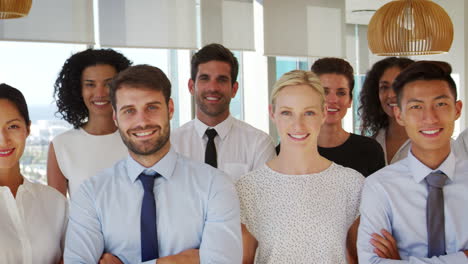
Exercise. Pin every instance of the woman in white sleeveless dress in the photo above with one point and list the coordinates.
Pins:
(298, 208)
(33, 217)
(82, 97)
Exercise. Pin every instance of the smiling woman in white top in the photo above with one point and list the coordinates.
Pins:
(299, 207)
(82, 96)
(33, 216)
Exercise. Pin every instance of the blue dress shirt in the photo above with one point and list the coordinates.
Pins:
(197, 207)
(394, 198)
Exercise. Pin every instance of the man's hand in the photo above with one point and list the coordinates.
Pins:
(385, 245)
(466, 253)
(108, 258)
(189, 256)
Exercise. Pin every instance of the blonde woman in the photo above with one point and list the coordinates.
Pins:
(300, 206)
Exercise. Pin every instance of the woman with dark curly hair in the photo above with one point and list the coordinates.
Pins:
(376, 110)
(82, 96)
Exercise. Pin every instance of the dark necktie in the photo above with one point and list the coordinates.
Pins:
(210, 152)
(149, 234)
(435, 214)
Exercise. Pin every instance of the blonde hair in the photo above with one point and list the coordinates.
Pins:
(298, 77)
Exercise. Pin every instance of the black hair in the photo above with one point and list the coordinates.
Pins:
(372, 115)
(427, 71)
(16, 97)
(214, 52)
(335, 66)
(67, 87)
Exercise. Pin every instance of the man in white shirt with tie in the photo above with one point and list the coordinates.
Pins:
(414, 211)
(214, 136)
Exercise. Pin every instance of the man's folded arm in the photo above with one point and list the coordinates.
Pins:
(84, 240)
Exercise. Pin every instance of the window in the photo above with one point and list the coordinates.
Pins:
(32, 68)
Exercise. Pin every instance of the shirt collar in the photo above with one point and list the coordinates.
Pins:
(222, 128)
(420, 171)
(28, 187)
(165, 166)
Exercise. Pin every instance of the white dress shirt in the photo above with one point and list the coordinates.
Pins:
(240, 147)
(400, 154)
(394, 198)
(32, 226)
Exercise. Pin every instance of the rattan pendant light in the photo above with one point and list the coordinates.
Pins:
(410, 27)
(14, 8)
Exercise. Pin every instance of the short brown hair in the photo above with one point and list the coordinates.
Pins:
(214, 52)
(335, 66)
(138, 76)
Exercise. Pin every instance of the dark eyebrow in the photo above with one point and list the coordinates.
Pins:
(223, 77)
(13, 120)
(155, 102)
(125, 107)
(150, 103)
(414, 100)
(442, 97)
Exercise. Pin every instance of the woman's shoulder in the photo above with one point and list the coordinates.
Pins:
(363, 140)
(67, 135)
(345, 174)
(257, 175)
(46, 193)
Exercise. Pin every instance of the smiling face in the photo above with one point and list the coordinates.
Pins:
(95, 89)
(213, 90)
(337, 97)
(387, 96)
(428, 111)
(143, 117)
(298, 115)
(13, 134)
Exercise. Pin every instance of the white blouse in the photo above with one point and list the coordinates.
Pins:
(32, 226)
(300, 218)
(81, 155)
(400, 154)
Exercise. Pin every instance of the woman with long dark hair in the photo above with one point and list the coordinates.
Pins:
(376, 110)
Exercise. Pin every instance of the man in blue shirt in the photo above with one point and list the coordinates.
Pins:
(413, 211)
(155, 205)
